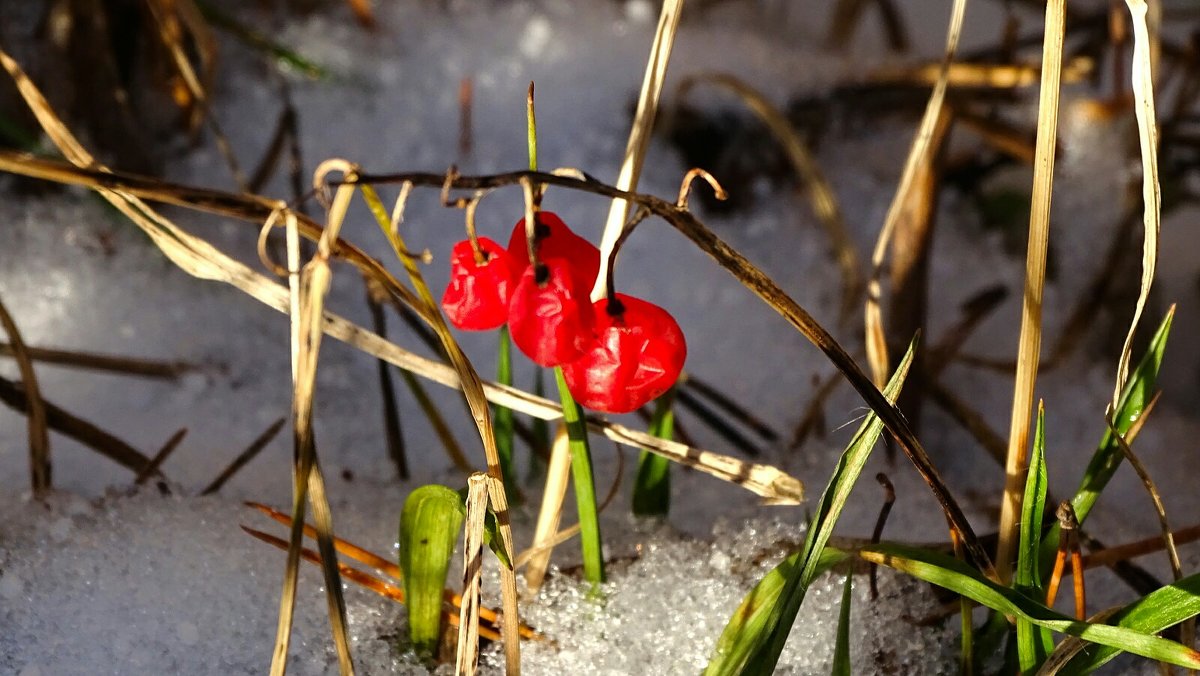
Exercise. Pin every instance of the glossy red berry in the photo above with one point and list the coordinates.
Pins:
(549, 317)
(477, 296)
(555, 240)
(638, 355)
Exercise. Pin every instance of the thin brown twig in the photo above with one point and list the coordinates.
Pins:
(382, 587)
(889, 499)
(131, 366)
(159, 458)
(385, 566)
(39, 437)
(260, 442)
(86, 433)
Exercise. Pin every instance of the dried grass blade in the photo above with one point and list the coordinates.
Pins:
(86, 433)
(1029, 348)
(919, 155)
(387, 567)
(1189, 629)
(467, 660)
(477, 402)
(558, 474)
(1143, 95)
(129, 366)
(260, 442)
(39, 436)
(822, 196)
(199, 259)
(171, 17)
(382, 587)
(639, 135)
(308, 289)
(159, 458)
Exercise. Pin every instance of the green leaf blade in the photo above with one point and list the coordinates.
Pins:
(1033, 642)
(841, 649)
(754, 637)
(960, 578)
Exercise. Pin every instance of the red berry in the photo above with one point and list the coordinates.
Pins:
(477, 297)
(555, 240)
(549, 316)
(638, 355)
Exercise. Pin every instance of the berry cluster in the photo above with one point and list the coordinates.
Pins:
(616, 354)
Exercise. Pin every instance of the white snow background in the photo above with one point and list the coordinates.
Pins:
(100, 578)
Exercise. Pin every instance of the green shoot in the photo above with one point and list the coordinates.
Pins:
(652, 488)
(585, 484)
(841, 649)
(429, 526)
(1033, 642)
(1137, 394)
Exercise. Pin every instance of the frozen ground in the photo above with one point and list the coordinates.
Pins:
(99, 580)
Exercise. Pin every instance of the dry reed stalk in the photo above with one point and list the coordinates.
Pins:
(983, 75)
(473, 392)
(1029, 347)
(912, 240)
(309, 286)
(920, 154)
(171, 17)
(639, 136)
(558, 475)
(467, 659)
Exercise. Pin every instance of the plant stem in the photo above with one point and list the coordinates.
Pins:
(585, 486)
(502, 417)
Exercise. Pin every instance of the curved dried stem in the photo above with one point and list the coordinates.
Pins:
(685, 189)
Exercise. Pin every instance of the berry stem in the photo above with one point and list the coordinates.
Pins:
(614, 306)
(472, 237)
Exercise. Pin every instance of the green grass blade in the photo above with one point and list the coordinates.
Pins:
(752, 645)
(1150, 614)
(1033, 643)
(429, 526)
(585, 484)
(841, 649)
(1138, 392)
(260, 41)
(502, 418)
(652, 488)
(755, 610)
(960, 578)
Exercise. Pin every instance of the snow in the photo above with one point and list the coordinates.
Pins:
(102, 579)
